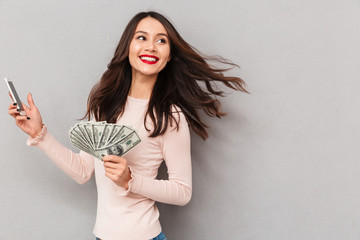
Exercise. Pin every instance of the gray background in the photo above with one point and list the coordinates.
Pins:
(284, 164)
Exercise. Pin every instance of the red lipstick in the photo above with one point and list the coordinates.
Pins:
(149, 59)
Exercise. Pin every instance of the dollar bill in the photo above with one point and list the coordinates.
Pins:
(121, 134)
(104, 135)
(100, 138)
(119, 148)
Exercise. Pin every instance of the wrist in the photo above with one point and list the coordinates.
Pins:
(35, 140)
(38, 131)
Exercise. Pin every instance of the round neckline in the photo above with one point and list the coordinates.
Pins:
(138, 99)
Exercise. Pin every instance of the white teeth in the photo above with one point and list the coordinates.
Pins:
(150, 59)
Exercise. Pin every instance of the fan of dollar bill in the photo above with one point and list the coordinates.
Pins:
(101, 138)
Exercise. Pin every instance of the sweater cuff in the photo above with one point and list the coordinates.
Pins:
(43, 141)
(34, 141)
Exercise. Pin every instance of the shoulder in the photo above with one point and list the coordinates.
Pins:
(178, 129)
(178, 115)
(177, 124)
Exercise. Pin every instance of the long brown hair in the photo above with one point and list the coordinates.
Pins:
(176, 85)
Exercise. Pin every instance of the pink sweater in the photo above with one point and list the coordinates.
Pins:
(132, 214)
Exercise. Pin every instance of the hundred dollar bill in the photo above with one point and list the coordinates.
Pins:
(82, 146)
(119, 148)
(100, 138)
(120, 134)
(97, 131)
(89, 151)
(77, 134)
(105, 135)
(86, 133)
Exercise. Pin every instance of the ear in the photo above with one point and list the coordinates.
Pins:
(169, 58)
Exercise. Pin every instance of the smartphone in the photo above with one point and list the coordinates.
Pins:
(14, 96)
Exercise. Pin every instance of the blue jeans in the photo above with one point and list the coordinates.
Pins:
(161, 236)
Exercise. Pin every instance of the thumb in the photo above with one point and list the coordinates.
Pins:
(30, 101)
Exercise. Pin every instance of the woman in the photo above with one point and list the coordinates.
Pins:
(151, 85)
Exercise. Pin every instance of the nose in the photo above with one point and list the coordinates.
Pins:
(150, 47)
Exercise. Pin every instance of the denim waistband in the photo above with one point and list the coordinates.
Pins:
(161, 236)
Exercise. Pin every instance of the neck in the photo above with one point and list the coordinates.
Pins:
(142, 86)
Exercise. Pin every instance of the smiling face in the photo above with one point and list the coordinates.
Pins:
(149, 48)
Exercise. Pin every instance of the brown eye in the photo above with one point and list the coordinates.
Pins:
(141, 38)
(161, 40)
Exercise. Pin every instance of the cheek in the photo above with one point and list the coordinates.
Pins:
(133, 51)
(166, 54)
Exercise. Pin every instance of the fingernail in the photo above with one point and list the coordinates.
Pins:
(14, 103)
(27, 118)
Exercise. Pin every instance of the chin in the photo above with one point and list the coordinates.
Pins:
(150, 73)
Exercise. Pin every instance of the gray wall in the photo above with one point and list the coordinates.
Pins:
(284, 164)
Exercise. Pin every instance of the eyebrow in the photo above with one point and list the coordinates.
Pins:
(158, 34)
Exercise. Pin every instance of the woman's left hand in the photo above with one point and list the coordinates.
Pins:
(117, 170)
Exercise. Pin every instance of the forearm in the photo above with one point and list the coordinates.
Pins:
(79, 167)
(166, 191)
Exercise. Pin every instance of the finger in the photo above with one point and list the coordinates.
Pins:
(111, 176)
(117, 168)
(12, 106)
(113, 158)
(112, 171)
(113, 165)
(13, 112)
(110, 158)
(20, 118)
(26, 108)
(31, 101)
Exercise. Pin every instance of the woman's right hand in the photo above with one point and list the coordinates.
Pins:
(32, 122)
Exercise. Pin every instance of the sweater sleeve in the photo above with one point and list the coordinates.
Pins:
(79, 167)
(177, 190)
